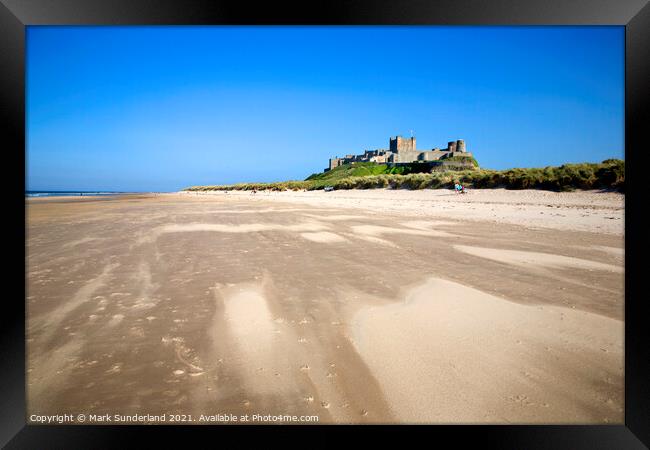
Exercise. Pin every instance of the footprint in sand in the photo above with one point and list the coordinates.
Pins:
(520, 398)
(137, 332)
(115, 369)
(116, 319)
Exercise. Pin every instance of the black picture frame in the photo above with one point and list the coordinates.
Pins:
(15, 15)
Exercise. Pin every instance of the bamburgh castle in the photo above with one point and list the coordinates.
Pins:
(403, 150)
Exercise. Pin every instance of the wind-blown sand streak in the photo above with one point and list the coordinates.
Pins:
(223, 228)
(49, 323)
(376, 230)
(452, 354)
(518, 258)
(252, 327)
(324, 237)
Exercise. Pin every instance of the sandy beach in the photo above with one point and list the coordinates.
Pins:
(595, 211)
(372, 306)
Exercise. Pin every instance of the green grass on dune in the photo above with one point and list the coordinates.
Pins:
(364, 169)
(360, 169)
(609, 174)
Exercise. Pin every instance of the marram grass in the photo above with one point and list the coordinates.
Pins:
(609, 174)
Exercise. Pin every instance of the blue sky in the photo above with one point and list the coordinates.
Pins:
(162, 108)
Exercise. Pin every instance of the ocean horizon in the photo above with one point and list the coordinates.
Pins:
(71, 193)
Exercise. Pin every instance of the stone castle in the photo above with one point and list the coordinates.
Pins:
(403, 151)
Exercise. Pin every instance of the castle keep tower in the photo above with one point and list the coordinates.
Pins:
(403, 150)
(398, 144)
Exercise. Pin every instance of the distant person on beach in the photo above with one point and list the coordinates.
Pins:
(460, 189)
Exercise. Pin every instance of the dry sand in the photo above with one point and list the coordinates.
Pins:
(356, 307)
(596, 211)
(477, 358)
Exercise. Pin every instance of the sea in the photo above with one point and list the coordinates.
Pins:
(69, 193)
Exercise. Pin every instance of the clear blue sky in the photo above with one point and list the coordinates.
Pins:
(162, 108)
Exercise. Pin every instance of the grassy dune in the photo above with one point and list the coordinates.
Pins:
(609, 174)
(368, 169)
